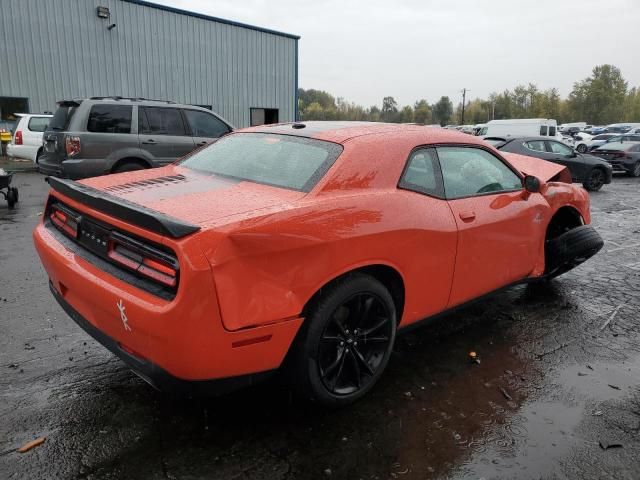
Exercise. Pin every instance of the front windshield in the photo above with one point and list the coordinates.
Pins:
(285, 161)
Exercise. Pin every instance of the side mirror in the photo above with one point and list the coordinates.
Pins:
(573, 154)
(531, 184)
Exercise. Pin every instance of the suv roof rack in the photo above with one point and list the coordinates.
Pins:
(133, 99)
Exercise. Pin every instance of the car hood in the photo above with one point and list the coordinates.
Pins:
(537, 167)
(191, 196)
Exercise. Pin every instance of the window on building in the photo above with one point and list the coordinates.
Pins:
(110, 119)
(160, 121)
(263, 116)
(9, 107)
(204, 124)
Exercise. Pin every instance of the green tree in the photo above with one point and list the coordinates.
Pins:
(443, 110)
(632, 106)
(389, 112)
(422, 112)
(406, 114)
(600, 98)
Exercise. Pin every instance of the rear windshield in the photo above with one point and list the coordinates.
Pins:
(283, 161)
(62, 117)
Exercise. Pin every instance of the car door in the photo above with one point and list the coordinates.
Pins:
(500, 231)
(162, 134)
(564, 155)
(204, 127)
(431, 244)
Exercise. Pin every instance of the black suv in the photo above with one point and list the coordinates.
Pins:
(101, 135)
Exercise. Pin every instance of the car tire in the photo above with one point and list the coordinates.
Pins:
(636, 170)
(595, 181)
(582, 148)
(128, 167)
(570, 249)
(345, 341)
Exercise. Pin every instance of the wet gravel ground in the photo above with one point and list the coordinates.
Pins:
(556, 385)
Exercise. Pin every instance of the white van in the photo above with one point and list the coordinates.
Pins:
(526, 127)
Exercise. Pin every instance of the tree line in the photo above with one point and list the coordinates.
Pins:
(600, 99)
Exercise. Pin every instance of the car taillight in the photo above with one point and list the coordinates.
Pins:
(64, 220)
(17, 139)
(72, 145)
(147, 261)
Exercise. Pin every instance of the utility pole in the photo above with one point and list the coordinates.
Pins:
(464, 96)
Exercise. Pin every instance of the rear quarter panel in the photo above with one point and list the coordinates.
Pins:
(266, 269)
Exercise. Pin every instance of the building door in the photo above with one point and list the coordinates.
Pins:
(9, 107)
(263, 116)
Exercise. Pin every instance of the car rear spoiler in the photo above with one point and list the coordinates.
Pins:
(122, 209)
(69, 103)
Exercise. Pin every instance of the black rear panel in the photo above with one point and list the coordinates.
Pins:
(92, 244)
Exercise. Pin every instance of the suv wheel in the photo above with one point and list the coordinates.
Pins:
(128, 167)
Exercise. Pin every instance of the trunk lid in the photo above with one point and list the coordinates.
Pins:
(185, 195)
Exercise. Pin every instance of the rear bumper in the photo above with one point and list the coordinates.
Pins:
(154, 374)
(22, 151)
(178, 344)
(74, 168)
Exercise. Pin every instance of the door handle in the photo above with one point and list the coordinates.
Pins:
(151, 141)
(204, 142)
(467, 216)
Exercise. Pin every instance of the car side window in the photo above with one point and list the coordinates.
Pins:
(536, 145)
(38, 124)
(422, 174)
(552, 131)
(160, 121)
(110, 119)
(543, 131)
(560, 148)
(468, 171)
(204, 124)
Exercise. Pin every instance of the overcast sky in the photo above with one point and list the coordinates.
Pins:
(363, 50)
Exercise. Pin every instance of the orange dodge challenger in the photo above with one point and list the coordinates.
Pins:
(304, 245)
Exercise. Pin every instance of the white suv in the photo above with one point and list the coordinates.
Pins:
(27, 138)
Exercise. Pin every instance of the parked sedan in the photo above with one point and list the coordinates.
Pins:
(592, 172)
(623, 156)
(304, 246)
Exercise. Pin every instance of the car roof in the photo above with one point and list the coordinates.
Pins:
(131, 101)
(339, 132)
(48, 115)
(618, 145)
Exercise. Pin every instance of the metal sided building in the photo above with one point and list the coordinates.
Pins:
(60, 49)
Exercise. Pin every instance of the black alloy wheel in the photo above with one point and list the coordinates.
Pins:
(595, 180)
(354, 343)
(345, 341)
